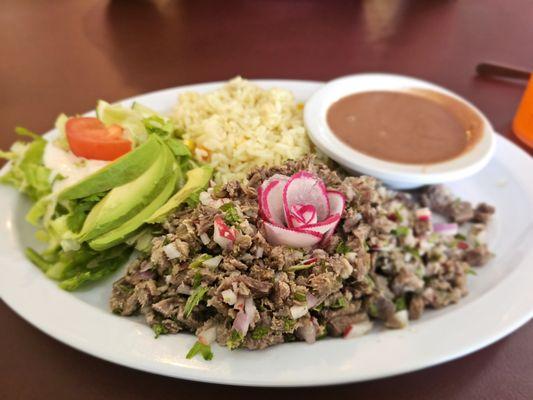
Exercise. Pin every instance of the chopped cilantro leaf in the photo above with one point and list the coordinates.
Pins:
(194, 299)
(159, 329)
(299, 296)
(203, 349)
(401, 231)
(340, 303)
(231, 216)
(342, 248)
(234, 340)
(400, 304)
(300, 267)
(260, 332)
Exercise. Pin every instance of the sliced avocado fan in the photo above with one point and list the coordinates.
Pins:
(120, 234)
(197, 179)
(121, 171)
(124, 202)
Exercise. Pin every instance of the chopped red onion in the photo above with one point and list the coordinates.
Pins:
(446, 229)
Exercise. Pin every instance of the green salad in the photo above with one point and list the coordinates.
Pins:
(100, 187)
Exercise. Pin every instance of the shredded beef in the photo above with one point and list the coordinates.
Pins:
(381, 263)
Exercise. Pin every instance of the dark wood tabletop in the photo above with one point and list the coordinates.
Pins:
(62, 55)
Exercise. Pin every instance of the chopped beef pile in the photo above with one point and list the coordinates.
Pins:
(388, 260)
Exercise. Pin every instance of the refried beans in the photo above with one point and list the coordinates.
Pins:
(412, 127)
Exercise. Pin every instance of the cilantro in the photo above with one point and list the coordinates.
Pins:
(199, 260)
(471, 271)
(194, 299)
(300, 267)
(260, 332)
(398, 216)
(401, 231)
(319, 307)
(342, 248)
(234, 340)
(288, 324)
(400, 304)
(373, 310)
(196, 280)
(159, 329)
(203, 349)
(340, 303)
(299, 296)
(231, 216)
(414, 252)
(459, 236)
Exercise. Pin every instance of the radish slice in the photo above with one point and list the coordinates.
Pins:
(423, 214)
(223, 235)
(279, 235)
(303, 214)
(306, 188)
(322, 226)
(272, 205)
(336, 202)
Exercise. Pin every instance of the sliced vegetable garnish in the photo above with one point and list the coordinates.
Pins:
(89, 138)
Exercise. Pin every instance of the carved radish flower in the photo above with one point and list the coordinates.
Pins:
(299, 211)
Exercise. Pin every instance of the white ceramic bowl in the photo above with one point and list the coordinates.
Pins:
(396, 175)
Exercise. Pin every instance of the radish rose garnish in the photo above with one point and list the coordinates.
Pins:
(299, 211)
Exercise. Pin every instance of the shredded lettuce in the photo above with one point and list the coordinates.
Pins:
(75, 268)
(27, 172)
(59, 221)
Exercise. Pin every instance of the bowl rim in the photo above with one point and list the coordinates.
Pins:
(315, 109)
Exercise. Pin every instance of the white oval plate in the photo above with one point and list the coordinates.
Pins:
(500, 298)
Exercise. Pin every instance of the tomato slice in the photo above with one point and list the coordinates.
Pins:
(90, 138)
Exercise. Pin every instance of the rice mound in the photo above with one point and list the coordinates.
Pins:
(241, 126)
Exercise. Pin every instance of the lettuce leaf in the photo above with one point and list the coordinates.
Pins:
(27, 172)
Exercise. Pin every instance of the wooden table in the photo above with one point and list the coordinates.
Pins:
(60, 56)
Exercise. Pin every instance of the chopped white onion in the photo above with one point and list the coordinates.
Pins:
(184, 289)
(402, 317)
(259, 252)
(208, 336)
(356, 330)
(204, 237)
(171, 251)
(298, 311)
(308, 332)
(229, 297)
(212, 262)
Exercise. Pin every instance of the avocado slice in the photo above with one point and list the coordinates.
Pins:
(119, 172)
(124, 202)
(197, 179)
(118, 235)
